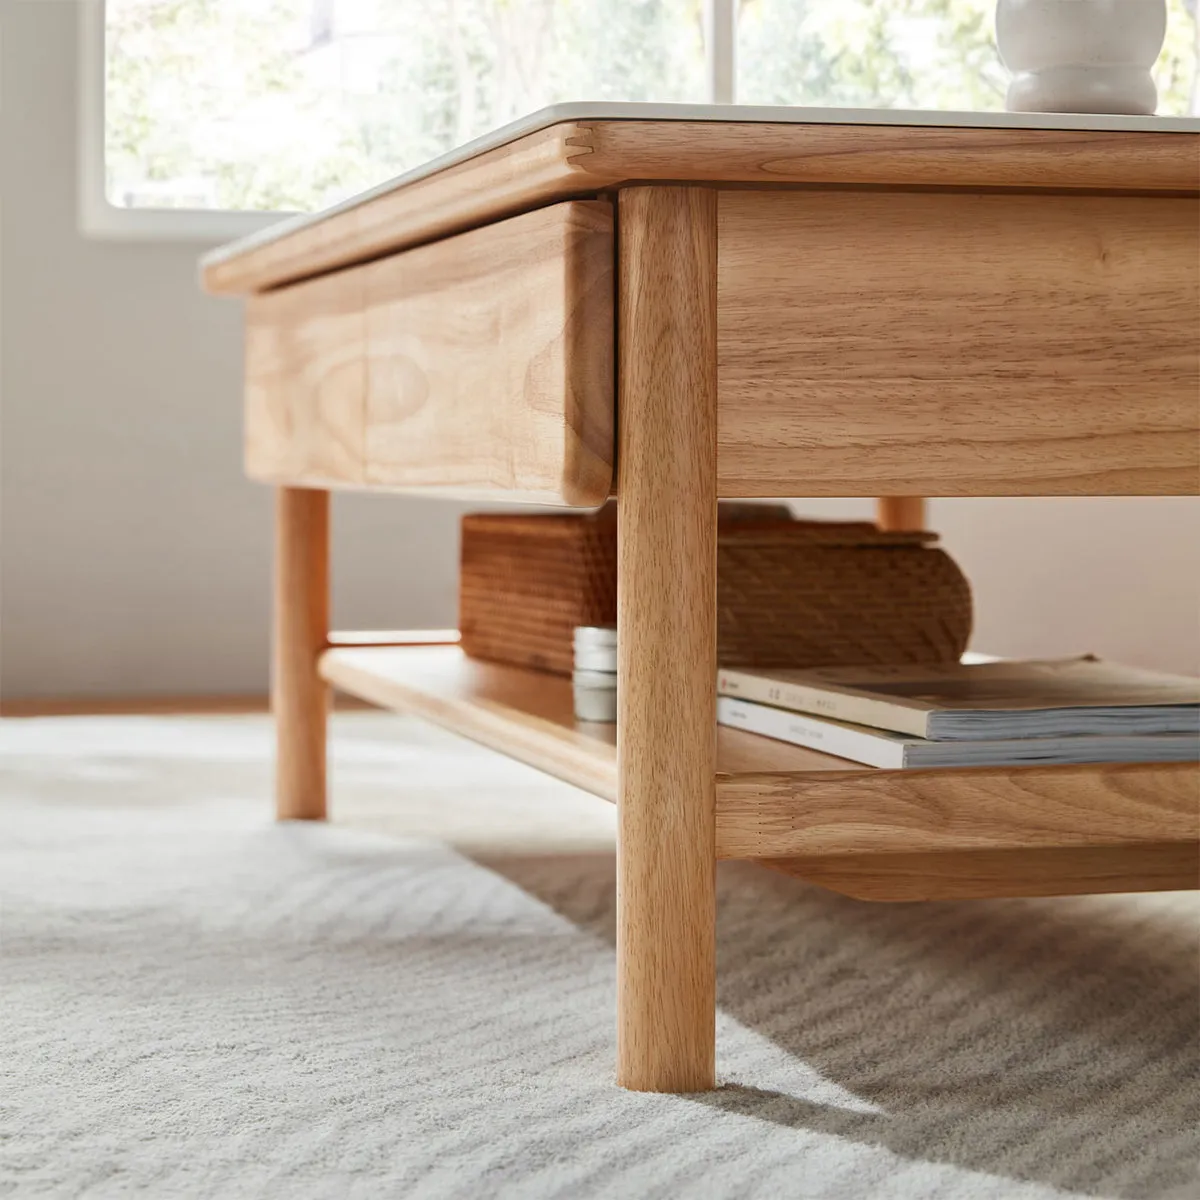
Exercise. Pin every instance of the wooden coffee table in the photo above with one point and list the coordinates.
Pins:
(676, 305)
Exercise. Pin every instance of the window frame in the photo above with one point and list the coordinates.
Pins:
(100, 218)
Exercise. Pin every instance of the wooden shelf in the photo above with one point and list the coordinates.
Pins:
(876, 834)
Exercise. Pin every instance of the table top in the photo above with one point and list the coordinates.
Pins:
(575, 150)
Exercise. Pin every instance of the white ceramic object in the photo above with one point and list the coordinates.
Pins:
(595, 648)
(595, 696)
(1081, 56)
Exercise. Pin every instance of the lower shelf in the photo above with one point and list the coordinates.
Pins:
(988, 874)
(866, 832)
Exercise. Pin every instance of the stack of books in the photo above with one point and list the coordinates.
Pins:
(989, 714)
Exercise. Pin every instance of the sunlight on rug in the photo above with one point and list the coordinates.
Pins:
(417, 999)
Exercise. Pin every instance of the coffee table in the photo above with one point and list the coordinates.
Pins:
(675, 304)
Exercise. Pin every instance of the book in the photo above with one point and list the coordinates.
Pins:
(883, 748)
(999, 699)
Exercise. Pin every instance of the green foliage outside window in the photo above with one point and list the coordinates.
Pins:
(295, 104)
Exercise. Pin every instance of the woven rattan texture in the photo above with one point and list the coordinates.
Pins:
(790, 593)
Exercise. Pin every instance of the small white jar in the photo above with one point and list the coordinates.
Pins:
(1083, 56)
(595, 696)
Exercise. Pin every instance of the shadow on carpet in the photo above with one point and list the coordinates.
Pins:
(1050, 1041)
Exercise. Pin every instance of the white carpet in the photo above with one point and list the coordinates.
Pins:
(418, 999)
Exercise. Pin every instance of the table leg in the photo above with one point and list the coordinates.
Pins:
(666, 604)
(901, 514)
(299, 698)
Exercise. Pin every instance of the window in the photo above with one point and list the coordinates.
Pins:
(203, 112)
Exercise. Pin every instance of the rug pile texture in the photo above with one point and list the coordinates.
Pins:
(417, 998)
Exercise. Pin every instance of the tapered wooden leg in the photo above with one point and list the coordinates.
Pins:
(901, 514)
(299, 697)
(666, 614)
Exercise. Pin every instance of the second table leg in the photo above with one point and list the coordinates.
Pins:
(299, 697)
(900, 513)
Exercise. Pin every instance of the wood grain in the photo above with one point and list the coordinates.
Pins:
(667, 649)
(490, 361)
(902, 812)
(305, 383)
(879, 834)
(481, 366)
(526, 714)
(958, 344)
(987, 874)
(533, 171)
(575, 159)
(299, 697)
(899, 514)
(891, 156)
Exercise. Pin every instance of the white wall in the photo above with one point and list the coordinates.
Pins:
(135, 558)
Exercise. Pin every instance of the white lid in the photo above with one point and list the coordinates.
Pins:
(595, 680)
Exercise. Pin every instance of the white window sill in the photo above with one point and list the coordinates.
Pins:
(100, 219)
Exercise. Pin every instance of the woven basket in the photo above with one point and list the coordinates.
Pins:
(809, 594)
(527, 581)
(790, 593)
